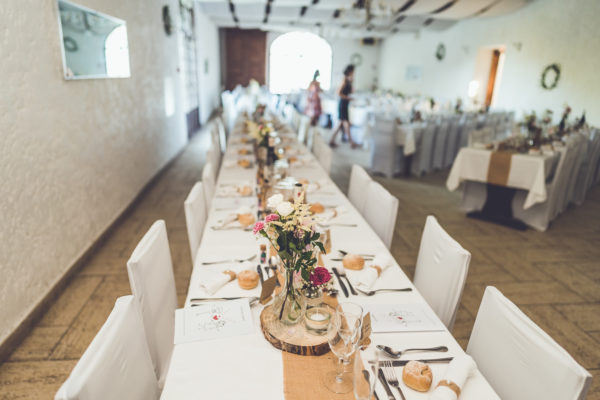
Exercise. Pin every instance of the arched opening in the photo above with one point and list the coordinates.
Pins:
(293, 59)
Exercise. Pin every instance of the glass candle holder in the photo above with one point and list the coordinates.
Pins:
(317, 319)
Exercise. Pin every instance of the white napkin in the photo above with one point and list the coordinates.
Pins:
(331, 213)
(232, 190)
(366, 278)
(228, 220)
(458, 372)
(214, 281)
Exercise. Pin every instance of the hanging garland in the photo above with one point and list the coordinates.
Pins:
(550, 68)
(440, 52)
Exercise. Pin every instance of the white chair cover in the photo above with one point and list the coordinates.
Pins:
(195, 217)
(380, 212)
(117, 364)
(323, 153)
(303, 129)
(518, 359)
(468, 127)
(359, 180)
(152, 283)
(452, 142)
(383, 148)
(440, 143)
(422, 159)
(214, 157)
(441, 271)
(540, 215)
(582, 145)
(588, 167)
(222, 134)
(208, 184)
(481, 136)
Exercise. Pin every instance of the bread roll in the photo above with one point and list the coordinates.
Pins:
(247, 279)
(246, 219)
(317, 208)
(244, 190)
(243, 151)
(417, 375)
(353, 261)
(244, 163)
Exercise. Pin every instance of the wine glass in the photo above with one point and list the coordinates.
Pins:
(365, 374)
(343, 335)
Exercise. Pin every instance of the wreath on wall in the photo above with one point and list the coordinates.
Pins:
(356, 59)
(440, 52)
(550, 76)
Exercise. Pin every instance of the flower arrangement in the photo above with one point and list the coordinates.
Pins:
(260, 132)
(291, 231)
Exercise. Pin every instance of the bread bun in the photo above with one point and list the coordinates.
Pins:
(247, 279)
(244, 163)
(353, 262)
(417, 375)
(317, 208)
(303, 181)
(243, 151)
(246, 219)
(292, 159)
(244, 190)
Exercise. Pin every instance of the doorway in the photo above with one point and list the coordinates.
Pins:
(488, 73)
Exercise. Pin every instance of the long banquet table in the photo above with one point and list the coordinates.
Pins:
(248, 367)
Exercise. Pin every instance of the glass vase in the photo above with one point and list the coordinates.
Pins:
(288, 303)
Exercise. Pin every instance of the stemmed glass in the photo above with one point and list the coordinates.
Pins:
(343, 335)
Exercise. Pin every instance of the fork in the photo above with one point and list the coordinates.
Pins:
(374, 292)
(240, 260)
(336, 224)
(390, 376)
(343, 275)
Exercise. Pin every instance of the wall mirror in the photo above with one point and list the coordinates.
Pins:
(94, 45)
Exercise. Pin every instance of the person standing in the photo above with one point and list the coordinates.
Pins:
(344, 92)
(313, 106)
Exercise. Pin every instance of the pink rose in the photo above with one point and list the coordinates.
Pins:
(259, 226)
(320, 276)
(272, 217)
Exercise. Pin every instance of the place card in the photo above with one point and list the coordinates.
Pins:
(403, 318)
(213, 320)
(268, 287)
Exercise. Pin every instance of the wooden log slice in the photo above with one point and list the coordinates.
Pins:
(293, 339)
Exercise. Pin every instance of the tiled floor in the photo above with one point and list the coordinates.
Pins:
(554, 276)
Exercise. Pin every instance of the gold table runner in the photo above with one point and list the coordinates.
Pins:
(499, 167)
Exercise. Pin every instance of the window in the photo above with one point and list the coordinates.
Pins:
(293, 59)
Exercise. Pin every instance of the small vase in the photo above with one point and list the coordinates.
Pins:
(288, 304)
(316, 313)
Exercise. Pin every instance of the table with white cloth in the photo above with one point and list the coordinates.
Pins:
(249, 367)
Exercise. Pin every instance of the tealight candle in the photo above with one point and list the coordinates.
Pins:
(317, 320)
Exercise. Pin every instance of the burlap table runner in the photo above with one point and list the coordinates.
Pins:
(302, 374)
(499, 167)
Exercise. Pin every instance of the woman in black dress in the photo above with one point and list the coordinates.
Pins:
(344, 92)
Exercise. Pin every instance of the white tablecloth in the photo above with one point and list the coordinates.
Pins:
(528, 172)
(248, 367)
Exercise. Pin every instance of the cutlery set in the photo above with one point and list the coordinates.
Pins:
(234, 260)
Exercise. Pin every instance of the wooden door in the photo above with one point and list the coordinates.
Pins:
(246, 53)
(492, 78)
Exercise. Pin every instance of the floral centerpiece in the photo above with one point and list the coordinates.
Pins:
(259, 132)
(291, 231)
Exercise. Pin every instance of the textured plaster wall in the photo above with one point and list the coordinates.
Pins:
(74, 154)
(565, 32)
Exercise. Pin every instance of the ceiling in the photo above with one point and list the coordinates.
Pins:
(352, 18)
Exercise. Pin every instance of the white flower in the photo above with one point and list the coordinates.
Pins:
(274, 201)
(285, 208)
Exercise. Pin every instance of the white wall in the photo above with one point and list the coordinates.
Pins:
(207, 53)
(550, 31)
(74, 154)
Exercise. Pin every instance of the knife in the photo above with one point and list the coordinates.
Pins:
(366, 375)
(341, 259)
(260, 275)
(385, 385)
(339, 278)
(401, 363)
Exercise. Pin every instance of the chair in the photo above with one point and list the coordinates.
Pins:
(422, 158)
(303, 129)
(222, 135)
(452, 142)
(468, 127)
(441, 272)
(381, 212)
(540, 215)
(323, 153)
(480, 136)
(213, 156)
(208, 184)
(518, 359)
(568, 196)
(152, 283)
(117, 364)
(310, 138)
(359, 180)
(439, 146)
(383, 148)
(195, 217)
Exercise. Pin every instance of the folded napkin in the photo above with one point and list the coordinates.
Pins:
(458, 372)
(213, 281)
(314, 186)
(243, 189)
(366, 278)
(331, 213)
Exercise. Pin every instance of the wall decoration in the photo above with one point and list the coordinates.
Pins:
(550, 76)
(70, 44)
(167, 22)
(356, 59)
(440, 53)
